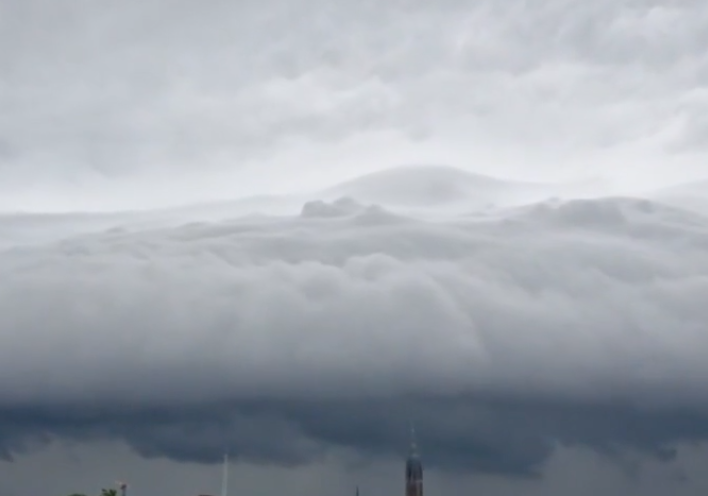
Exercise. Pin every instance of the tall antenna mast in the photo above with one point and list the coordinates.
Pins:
(225, 476)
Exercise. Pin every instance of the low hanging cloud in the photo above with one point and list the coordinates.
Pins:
(502, 336)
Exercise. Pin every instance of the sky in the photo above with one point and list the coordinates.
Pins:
(153, 103)
(462, 218)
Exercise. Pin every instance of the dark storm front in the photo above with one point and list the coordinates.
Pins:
(414, 472)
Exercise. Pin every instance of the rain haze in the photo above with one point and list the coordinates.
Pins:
(290, 229)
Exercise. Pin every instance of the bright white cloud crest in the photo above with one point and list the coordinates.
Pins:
(596, 301)
(591, 298)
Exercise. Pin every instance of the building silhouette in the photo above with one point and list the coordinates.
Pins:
(414, 470)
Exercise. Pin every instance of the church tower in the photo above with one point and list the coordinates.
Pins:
(414, 470)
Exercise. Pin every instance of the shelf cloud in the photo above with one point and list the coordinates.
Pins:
(503, 335)
(288, 228)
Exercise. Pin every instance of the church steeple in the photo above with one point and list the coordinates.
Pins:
(414, 469)
(414, 445)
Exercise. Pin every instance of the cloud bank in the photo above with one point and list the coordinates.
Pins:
(503, 335)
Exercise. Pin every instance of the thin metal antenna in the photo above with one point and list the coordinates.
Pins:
(225, 476)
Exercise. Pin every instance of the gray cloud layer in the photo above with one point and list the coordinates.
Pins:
(145, 91)
(578, 323)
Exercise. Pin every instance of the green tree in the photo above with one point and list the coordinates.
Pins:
(109, 492)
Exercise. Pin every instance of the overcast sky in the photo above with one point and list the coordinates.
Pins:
(542, 346)
(141, 103)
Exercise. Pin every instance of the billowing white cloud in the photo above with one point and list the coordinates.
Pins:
(598, 303)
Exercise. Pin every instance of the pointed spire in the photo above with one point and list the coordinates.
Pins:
(225, 475)
(414, 446)
(357, 490)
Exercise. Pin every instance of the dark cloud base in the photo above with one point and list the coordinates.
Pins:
(469, 435)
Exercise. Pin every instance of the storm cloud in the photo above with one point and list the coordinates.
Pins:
(179, 276)
(502, 335)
